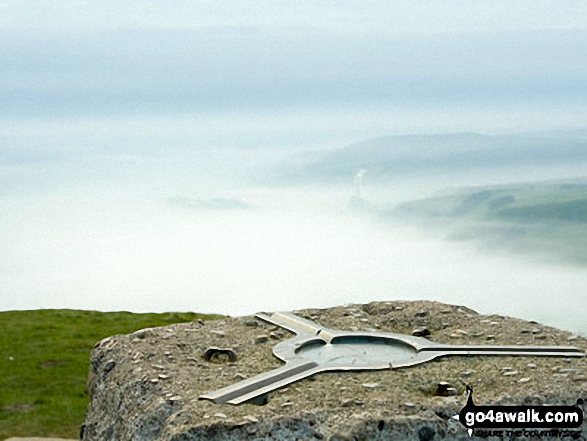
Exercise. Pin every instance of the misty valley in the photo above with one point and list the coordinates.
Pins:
(496, 223)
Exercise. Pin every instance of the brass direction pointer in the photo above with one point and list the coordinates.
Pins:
(316, 349)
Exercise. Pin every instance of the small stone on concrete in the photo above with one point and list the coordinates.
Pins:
(421, 332)
(261, 339)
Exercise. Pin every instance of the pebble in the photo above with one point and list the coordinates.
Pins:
(531, 365)
(421, 314)
(288, 404)
(252, 323)
(276, 335)
(218, 333)
(490, 337)
(536, 331)
(220, 354)
(524, 380)
(158, 366)
(347, 402)
(461, 332)
(445, 389)
(567, 371)
(261, 339)
(467, 374)
(240, 376)
(164, 377)
(370, 385)
(409, 405)
(451, 392)
(399, 308)
(510, 373)
(579, 379)
(540, 337)
(572, 337)
(251, 418)
(220, 415)
(420, 332)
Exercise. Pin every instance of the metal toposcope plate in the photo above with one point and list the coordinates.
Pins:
(316, 349)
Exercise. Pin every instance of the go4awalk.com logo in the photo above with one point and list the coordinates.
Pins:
(529, 421)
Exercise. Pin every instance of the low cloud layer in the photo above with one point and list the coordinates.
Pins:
(217, 203)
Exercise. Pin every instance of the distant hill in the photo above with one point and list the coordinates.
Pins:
(392, 156)
(548, 217)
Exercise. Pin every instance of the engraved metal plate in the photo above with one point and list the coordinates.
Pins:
(316, 349)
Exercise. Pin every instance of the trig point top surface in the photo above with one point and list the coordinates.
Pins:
(148, 384)
(316, 349)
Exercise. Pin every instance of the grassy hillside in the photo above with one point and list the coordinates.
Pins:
(393, 156)
(548, 218)
(44, 361)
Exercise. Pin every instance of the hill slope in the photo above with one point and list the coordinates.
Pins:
(44, 361)
(394, 156)
(547, 218)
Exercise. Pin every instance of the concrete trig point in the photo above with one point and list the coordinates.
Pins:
(316, 349)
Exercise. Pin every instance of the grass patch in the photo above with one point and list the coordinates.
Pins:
(44, 362)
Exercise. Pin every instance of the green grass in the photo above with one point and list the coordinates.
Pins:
(44, 362)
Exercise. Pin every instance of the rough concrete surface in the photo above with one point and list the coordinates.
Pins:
(146, 385)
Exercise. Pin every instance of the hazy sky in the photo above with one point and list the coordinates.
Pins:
(342, 17)
(96, 59)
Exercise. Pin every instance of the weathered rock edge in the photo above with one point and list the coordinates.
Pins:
(146, 385)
